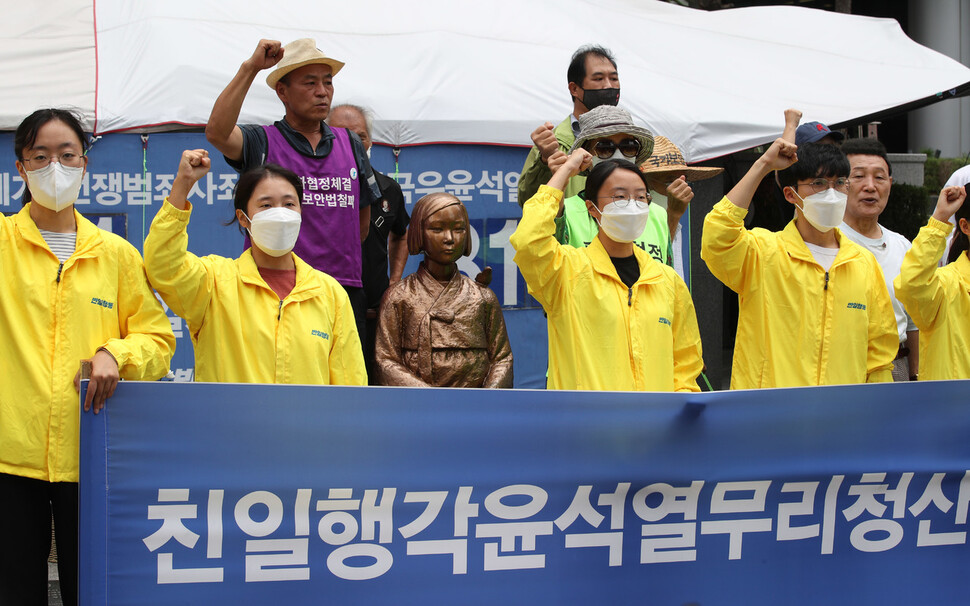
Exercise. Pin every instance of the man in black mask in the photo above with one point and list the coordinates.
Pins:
(593, 81)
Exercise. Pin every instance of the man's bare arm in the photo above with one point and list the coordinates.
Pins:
(221, 130)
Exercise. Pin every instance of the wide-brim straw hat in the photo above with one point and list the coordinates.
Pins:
(609, 120)
(666, 157)
(297, 54)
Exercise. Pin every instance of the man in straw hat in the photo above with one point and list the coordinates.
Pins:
(593, 81)
(608, 132)
(668, 176)
(339, 185)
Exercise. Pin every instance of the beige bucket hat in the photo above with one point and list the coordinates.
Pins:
(298, 53)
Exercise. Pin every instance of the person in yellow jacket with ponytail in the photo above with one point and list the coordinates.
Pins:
(265, 317)
(68, 291)
(938, 298)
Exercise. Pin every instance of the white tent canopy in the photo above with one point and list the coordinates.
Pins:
(486, 72)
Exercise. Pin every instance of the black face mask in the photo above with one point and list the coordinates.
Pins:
(601, 96)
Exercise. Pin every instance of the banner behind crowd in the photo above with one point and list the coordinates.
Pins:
(205, 493)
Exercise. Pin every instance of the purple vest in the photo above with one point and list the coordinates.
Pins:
(330, 232)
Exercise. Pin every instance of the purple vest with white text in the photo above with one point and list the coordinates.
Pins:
(330, 231)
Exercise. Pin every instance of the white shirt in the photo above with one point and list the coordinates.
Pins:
(889, 251)
(823, 256)
(677, 245)
(960, 176)
(676, 238)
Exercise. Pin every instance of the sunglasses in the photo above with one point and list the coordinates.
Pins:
(604, 148)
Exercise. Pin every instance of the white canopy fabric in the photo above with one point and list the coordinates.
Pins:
(464, 72)
(48, 59)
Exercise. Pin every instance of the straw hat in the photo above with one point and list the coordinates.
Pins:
(298, 53)
(608, 120)
(667, 158)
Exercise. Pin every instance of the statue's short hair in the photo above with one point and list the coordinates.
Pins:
(427, 206)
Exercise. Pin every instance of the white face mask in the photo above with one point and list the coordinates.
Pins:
(617, 155)
(823, 210)
(55, 186)
(624, 223)
(275, 230)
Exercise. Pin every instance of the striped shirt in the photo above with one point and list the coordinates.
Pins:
(61, 244)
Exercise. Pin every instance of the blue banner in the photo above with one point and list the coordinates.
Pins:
(208, 493)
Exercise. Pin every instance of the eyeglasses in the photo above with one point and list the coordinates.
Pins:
(622, 200)
(820, 185)
(41, 160)
(604, 148)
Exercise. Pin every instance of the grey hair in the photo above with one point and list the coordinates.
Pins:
(363, 111)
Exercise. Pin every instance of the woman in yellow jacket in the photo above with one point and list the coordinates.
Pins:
(265, 317)
(618, 319)
(68, 291)
(938, 298)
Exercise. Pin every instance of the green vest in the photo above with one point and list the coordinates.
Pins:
(579, 229)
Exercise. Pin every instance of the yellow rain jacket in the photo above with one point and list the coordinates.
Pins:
(241, 331)
(52, 316)
(799, 324)
(938, 300)
(603, 335)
